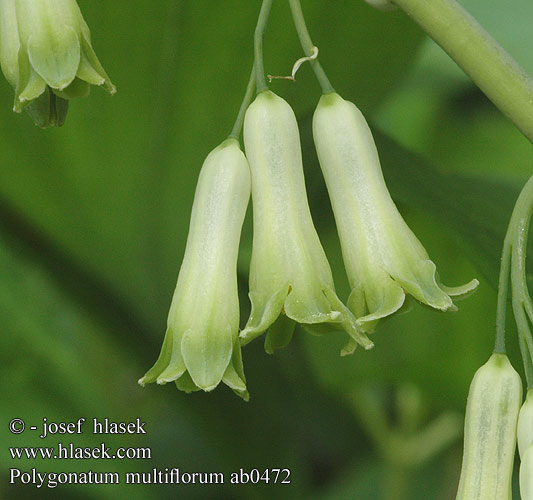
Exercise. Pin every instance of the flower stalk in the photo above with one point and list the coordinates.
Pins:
(264, 14)
(523, 312)
(513, 266)
(308, 46)
(247, 99)
(521, 300)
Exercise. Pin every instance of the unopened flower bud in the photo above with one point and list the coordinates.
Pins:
(490, 431)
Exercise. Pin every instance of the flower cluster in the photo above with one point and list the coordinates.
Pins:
(47, 56)
(290, 277)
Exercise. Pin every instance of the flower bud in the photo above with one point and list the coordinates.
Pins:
(45, 45)
(289, 271)
(490, 431)
(383, 257)
(201, 346)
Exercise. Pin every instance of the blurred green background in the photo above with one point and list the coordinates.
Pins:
(93, 222)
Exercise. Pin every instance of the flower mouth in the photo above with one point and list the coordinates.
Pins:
(384, 294)
(322, 313)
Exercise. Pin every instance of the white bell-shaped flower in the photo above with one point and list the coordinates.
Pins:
(383, 258)
(201, 346)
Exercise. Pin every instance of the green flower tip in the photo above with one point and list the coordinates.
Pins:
(201, 346)
(290, 277)
(45, 49)
(384, 260)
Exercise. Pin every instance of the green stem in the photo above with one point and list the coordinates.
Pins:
(503, 289)
(262, 21)
(247, 99)
(308, 46)
(521, 300)
(490, 67)
(525, 349)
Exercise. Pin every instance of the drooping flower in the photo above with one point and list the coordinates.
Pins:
(383, 258)
(290, 277)
(490, 431)
(46, 55)
(201, 346)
